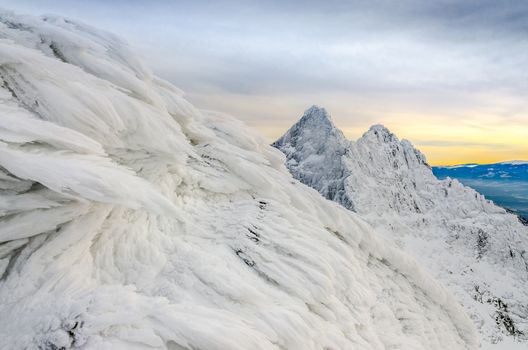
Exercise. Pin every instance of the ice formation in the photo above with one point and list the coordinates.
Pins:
(477, 249)
(131, 220)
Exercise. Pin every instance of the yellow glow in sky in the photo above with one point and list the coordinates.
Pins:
(446, 137)
(448, 144)
(485, 140)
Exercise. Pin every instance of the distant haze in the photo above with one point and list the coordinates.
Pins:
(504, 183)
(451, 76)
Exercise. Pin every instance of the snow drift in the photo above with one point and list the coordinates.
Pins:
(131, 220)
(479, 250)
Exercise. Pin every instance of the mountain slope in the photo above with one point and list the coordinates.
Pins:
(476, 248)
(131, 220)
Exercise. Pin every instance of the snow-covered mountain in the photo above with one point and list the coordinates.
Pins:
(474, 247)
(131, 220)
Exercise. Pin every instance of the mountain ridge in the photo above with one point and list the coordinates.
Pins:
(465, 240)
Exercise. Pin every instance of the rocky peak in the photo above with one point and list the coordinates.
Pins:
(444, 224)
(316, 120)
(381, 133)
(316, 128)
(317, 116)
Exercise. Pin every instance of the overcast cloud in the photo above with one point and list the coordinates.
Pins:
(415, 66)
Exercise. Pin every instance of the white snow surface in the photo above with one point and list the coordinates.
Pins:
(131, 220)
(477, 249)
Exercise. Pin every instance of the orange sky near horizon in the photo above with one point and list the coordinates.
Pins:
(443, 144)
(461, 144)
(490, 130)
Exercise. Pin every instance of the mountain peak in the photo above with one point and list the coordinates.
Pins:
(316, 115)
(381, 133)
(315, 128)
(445, 225)
(379, 128)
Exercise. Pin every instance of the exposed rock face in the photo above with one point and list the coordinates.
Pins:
(316, 154)
(476, 248)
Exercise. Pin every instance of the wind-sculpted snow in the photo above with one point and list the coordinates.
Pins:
(476, 248)
(131, 220)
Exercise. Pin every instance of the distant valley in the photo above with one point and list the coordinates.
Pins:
(504, 183)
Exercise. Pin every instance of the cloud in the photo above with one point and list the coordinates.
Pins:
(443, 62)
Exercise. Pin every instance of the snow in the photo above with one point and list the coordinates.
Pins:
(132, 220)
(475, 248)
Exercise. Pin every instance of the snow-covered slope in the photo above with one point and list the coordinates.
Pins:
(476, 248)
(131, 220)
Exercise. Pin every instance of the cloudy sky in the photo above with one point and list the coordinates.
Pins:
(451, 76)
